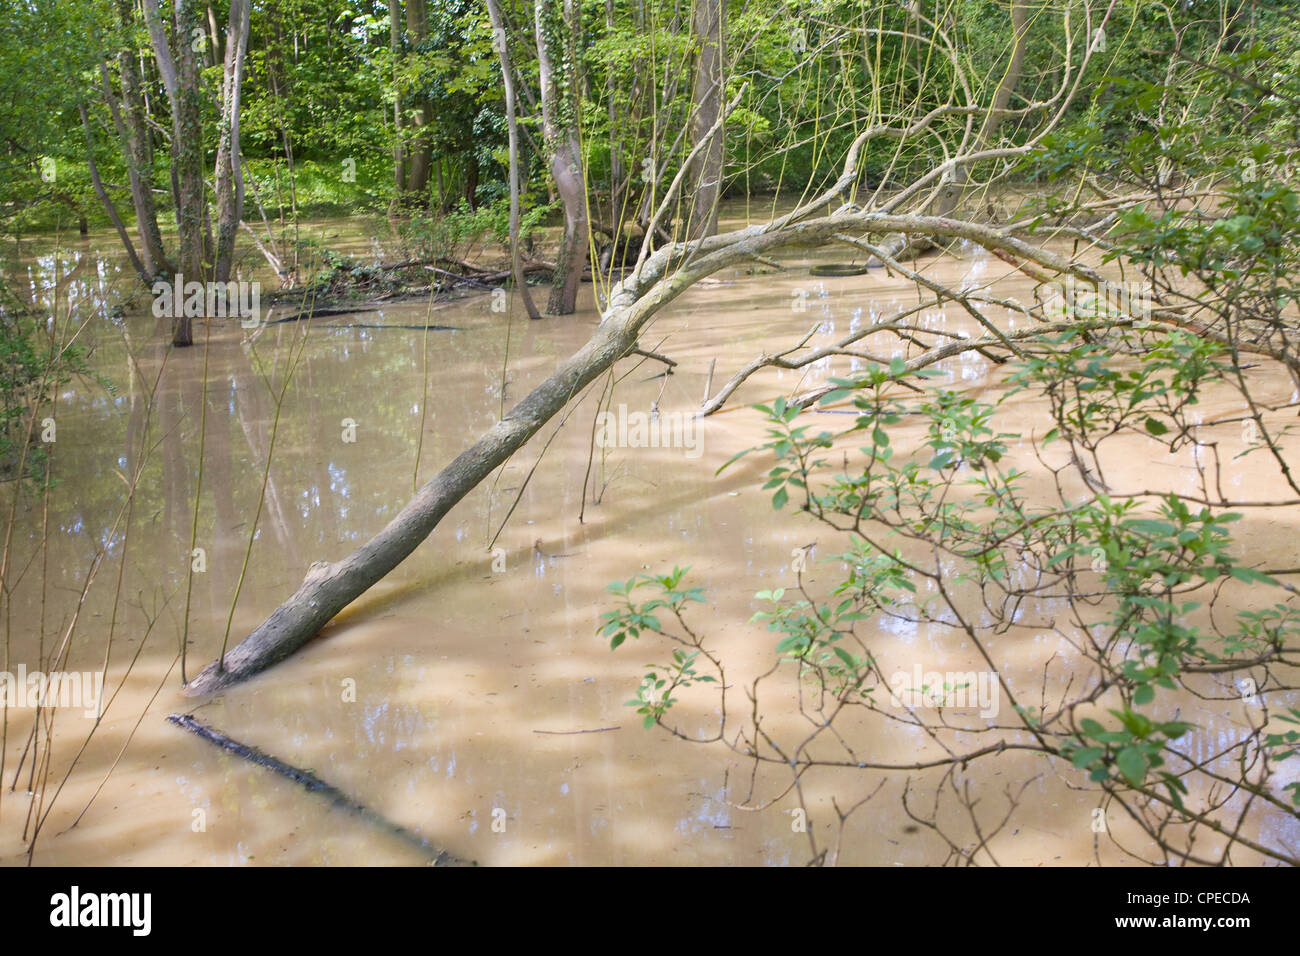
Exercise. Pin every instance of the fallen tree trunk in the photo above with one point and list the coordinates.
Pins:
(330, 587)
(315, 784)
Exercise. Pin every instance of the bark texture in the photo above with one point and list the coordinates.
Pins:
(229, 171)
(706, 96)
(556, 25)
(512, 129)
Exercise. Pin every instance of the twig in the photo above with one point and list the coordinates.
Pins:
(597, 730)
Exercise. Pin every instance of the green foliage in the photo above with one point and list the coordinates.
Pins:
(1287, 745)
(451, 235)
(793, 447)
(655, 693)
(43, 58)
(340, 275)
(1128, 752)
(1090, 391)
(1131, 567)
(22, 382)
(632, 619)
(814, 640)
(322, 187)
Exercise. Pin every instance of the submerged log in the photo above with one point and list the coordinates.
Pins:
(309, 780)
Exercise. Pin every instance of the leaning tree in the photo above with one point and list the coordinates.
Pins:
(1142, 186)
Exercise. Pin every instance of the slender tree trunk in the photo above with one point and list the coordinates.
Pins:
(180, 75)
(153, 256)
(512, 127)
(617, 184)
(707, 29)
(556, 28)
(145, 274)
(187, 155)
(328, 588)
(420, 150)
(399, 150)
(137, 146)
(229, 172)
(213, 36)
(951, 197)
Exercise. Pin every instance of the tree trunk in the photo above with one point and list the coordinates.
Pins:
(229, 173)
(180, 76)
(617, 188)
(136, 144)
(145, 274)
(950, 198)
(137, 147)
(399, 151)
(706, 97)
(152, 253)
(556, 51)
(187, 155)
(420, 151)
(512, 127)
(330, 587)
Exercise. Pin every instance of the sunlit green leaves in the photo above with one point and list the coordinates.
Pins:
(631, 619)
(1125, 753)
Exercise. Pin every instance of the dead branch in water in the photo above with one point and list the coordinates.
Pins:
(308, 780)
(564, 733)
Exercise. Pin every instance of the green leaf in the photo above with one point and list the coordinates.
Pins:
(732, 460)
(1091, 727)
(1086, 756)
(1151, 526)
(1176, 789)
(1132, 763)
(1251, 575)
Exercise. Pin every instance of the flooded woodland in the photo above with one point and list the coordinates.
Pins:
(754, 433)
(471, 685)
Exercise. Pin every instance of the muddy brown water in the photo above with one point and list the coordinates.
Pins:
(448, 697)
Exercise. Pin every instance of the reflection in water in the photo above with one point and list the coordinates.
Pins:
(449, 697)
